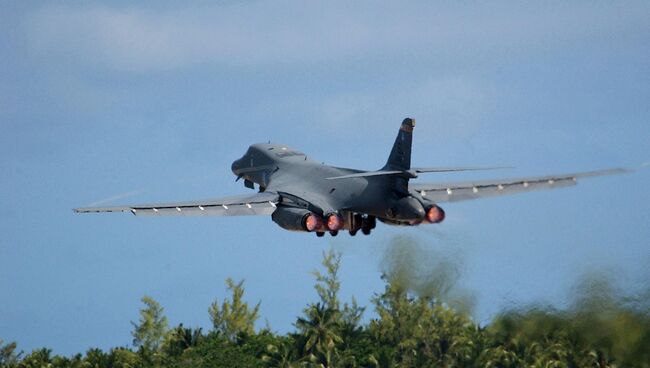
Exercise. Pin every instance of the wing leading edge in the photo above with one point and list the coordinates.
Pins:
(414, 171)
(258, 204)
(462, 191)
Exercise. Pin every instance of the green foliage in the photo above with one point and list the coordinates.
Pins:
(234, 317)
(150, 331)
(583, 338)
(217, 351)
(319, 330)
(180, 339)
(420, 331)
(413, 326)
(328, 285)
(37, 359)
(8, 355)
(125, 358)
(96, 358)
(281, 353)
(326, 330)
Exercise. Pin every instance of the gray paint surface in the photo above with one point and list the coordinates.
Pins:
(293, 186)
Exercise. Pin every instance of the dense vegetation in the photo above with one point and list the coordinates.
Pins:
(412, 327)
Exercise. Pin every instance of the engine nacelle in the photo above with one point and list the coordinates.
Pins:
(406, 209)
(434, 215)
(297, 219)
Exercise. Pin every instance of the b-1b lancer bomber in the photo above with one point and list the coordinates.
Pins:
(301, 194)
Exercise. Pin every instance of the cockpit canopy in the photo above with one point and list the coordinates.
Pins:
(262, 158)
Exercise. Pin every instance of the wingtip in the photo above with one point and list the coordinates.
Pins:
(623, 170)
(613, 171)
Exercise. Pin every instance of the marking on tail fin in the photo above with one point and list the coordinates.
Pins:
(400, 155)
(407, 125)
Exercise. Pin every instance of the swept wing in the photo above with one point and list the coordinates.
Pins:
(257, 204)
(461, 191)
(412, 171)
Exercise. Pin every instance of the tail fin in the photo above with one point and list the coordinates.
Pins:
(400, 155)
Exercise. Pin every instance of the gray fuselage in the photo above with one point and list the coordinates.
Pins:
(284, 170)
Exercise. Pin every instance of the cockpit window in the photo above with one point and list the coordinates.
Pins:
(288, 153)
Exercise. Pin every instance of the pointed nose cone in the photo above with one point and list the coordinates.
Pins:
(236, 165)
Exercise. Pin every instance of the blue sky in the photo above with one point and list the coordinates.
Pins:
(104, 100)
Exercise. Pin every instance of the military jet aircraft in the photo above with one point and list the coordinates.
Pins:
(301, 194)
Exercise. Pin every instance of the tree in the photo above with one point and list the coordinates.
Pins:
(328, 285)
(421, 331)
(8, 355)
(150, 331)
(320, 329)
(326, 331)
(180, 339)
(281, 354)
(234, 317)
(96, 358)
(124, 358)
(412, 328)
(37, 359)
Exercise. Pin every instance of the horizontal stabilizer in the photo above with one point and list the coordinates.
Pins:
(453, 169)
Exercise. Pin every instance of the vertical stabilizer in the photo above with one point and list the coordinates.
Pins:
(400, 155)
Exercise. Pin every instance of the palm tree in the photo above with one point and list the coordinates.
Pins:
(180, 339)
(320, 331)
(280, 355)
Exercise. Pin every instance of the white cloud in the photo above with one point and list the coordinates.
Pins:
(450, 105)
(290, 32)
